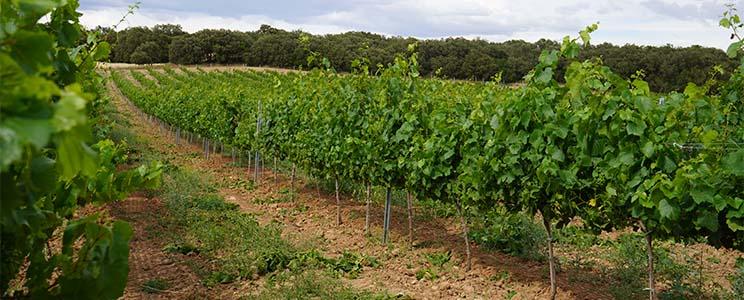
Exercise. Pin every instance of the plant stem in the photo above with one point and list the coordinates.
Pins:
(551, 258)
(386, 222)
(410, 218)
(276, 173)
(366, 218)
(292, 180)
(650, 253)
(464, 222)
(338, 205)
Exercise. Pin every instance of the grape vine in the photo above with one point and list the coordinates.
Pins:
(49, 166)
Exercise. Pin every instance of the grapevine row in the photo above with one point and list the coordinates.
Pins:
(600, 147)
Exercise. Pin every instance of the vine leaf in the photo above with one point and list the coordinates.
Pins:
(733, 163)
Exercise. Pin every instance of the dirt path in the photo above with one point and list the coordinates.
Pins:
(311, 219)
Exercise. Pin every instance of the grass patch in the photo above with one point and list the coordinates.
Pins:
(237, 247)
(234, 241)
(313, 285)
(181, 248)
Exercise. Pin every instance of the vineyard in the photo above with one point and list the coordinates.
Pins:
(600, 148)
(583, 156)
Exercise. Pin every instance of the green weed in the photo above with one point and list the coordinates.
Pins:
(154, 286)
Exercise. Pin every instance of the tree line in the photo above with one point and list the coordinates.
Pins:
(666, 68)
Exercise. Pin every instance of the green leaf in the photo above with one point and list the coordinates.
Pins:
(102, 51)
(733, 49)
(642, 85)
(724, 23)
(719, 202)
(74, 156)
(636, 127)
(611, 191)
(733, 163)
(10, 147)
(33, 51)
(494, 122)
(648, 149)
(735, 225)
(43, 174)
(35, 9)
(709, 137)
(626, 158)
(69, 112)
(34, 131)
(708, 220)
(549, 58)
(667, 210)
(116, 270)
(585, 37)
(558, 155)
(702, 194)
(68, 34)
(545, 76)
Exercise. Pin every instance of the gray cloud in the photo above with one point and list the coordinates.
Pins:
(699, 10)
(681, 22)
(294, 11)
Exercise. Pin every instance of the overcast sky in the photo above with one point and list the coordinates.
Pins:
(647, 22)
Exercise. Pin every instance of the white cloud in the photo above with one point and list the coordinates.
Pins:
(192, 22)
(648, 22)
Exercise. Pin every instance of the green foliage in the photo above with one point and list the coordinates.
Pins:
(49, 166)
(213, 226)
(513, 233)
(737, 279)
(145, 45)
(438, 259)
(434, 265)
(668, 68)
(732, 21)
(213, 202)
(587, 142)
(351, 263)
(313, 285)
(427, 273)
(578, 236)
(628, 266)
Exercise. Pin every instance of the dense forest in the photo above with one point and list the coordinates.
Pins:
(666, 68)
